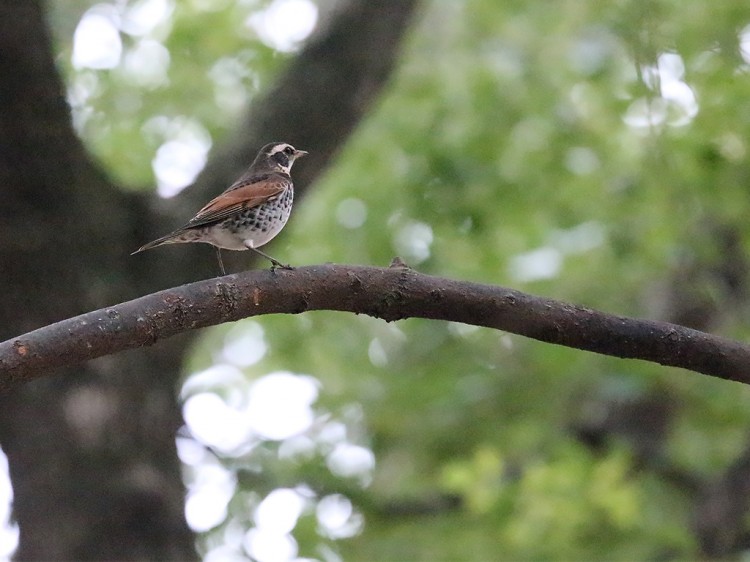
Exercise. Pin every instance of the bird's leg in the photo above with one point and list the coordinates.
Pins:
(274, 263)
(221, 263)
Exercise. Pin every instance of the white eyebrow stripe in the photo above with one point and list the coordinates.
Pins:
(278, 148)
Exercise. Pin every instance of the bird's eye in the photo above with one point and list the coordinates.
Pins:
(289, 150)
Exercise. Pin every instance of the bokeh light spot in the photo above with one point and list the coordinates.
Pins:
(285, 23)
(280, 405)
(96, 41)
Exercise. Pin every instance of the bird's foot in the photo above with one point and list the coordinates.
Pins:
(278, 265)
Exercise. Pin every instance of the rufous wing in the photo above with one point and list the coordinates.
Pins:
(242, 196)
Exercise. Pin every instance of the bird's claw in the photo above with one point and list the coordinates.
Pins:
(278, 265)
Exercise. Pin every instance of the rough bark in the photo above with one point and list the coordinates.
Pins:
(92, 454)
(389, 293)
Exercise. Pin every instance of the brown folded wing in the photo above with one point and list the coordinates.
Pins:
(244, 195)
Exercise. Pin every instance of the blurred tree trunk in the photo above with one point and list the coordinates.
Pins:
(91, 451)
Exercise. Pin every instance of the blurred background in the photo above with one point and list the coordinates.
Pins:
(594, 152)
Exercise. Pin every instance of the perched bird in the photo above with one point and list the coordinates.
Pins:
(250, 213)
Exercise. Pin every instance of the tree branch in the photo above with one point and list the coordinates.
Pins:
(389, 293)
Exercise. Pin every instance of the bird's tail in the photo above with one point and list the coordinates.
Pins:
(176, 237)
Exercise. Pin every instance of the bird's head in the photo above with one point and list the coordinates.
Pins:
(278, 156)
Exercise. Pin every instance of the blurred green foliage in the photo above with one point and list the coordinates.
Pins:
(508, 140)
